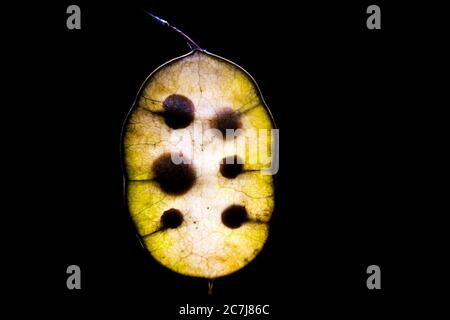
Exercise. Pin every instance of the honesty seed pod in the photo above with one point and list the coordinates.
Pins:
(197, 148)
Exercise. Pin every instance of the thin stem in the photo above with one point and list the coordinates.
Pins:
(210, 286)
(190, 42)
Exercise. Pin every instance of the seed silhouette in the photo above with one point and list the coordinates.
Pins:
(234, 216)
(173, 178)
(178, 111)
(231, 167)
(172, 218)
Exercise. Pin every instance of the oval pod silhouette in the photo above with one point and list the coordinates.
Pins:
(195, 145)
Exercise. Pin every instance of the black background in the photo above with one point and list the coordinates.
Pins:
(337, 93)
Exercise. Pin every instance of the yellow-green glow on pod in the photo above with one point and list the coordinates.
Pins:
(195, 213)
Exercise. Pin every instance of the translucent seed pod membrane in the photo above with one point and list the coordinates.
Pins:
(198, 199)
